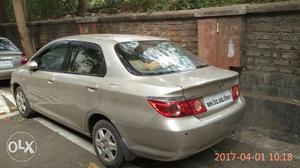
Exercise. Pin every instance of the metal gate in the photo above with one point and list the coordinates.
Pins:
(219, 41)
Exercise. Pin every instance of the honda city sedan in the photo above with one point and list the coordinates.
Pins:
(135, 96)
(10, 58)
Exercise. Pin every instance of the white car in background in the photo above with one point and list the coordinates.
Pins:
(10, 58)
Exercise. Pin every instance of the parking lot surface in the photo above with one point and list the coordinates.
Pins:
(58, 146)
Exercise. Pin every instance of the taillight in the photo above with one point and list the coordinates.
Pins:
(197, 106)
(178, 108)
(235, 92)
(24, 59)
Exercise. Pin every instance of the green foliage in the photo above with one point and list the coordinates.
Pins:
(10, 10)
(45, 9)
(115, 6)
(51, 9)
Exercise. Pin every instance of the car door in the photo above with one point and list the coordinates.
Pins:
(79, 88)
(41, 84)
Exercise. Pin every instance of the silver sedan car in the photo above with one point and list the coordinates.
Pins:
(135, 96)
(10, 58)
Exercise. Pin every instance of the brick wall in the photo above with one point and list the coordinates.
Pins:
(44, 33)
(271, 77)
(41, 32)
(272, 54)
(183, 32)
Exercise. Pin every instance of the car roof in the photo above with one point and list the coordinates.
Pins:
(113, 37)
(3, 38)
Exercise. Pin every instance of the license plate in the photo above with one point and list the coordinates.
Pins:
(6, 64)
(217, 100)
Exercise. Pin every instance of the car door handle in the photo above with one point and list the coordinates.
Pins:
(92, 88)
(50, 81)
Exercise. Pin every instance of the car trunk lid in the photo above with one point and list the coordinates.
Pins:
(10, 59)
(207, 83)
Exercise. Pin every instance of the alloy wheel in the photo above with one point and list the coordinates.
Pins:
(21, 102)
(106, 144)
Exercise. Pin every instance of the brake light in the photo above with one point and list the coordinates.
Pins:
(197, 106)
(235, 91)
(24, 59)
(178, 108)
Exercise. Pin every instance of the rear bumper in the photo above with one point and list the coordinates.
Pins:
(173, 139)
(6, 74)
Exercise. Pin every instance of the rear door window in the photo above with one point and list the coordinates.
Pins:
(87, 60)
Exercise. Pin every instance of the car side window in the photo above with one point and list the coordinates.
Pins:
(52, 59)
(86, 61)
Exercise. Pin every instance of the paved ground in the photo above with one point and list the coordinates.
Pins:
(58, 146)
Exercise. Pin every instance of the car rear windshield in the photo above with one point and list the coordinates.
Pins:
(156, 57)
(6, 45)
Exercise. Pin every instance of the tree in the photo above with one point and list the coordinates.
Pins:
(22, 27)
(25, 10)
(82, 4)
(3, 12)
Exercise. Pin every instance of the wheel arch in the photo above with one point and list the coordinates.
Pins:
(94, 118)
(14, 87)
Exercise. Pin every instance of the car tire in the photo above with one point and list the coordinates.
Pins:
(23, 104)
(108, 144)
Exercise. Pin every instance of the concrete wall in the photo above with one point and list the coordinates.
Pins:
(270, 57)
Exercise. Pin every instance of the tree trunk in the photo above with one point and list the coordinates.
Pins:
(82, 4)
(22, 28)
(3, 12)
(25, 10)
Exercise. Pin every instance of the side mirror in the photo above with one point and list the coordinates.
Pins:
(32, 65)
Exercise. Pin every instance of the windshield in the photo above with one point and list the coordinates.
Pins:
(156, 57)
(6, 45)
